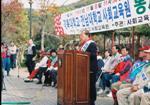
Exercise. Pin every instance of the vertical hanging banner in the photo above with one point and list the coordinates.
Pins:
(102, 16)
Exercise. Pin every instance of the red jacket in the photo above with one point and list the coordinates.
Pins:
(49, 63)
(124, 69)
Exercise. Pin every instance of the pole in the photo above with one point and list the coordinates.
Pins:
(113, 36)
(104, 43)
(133, 42)
(119, 39)
(30, 2)
(139, 38)
(138, 43)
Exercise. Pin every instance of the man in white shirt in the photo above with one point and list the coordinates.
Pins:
(42, 67)
(109, 67)
(13, 53)
(106, 62)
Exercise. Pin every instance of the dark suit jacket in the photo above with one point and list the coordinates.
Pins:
(92, 49)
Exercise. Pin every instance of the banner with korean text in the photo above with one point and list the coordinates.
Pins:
(100, 17)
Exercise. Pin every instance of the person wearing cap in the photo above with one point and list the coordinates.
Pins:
(135, 69)
(144, 98)
(42, 63)
(51, 73)
(88, 45)
(126, 96)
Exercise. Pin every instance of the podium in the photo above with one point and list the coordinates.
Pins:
(73, 78)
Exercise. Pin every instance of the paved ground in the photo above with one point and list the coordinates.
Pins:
(19, 91)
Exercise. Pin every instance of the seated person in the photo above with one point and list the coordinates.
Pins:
(100, 64)
(127, 81)
(126, 95)
(108, 70)
(105, 60)
(144, 98)
(36, 70)
(33, 74)
(51, 73)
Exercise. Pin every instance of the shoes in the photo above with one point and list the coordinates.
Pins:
(56, 86)
(40, 82)
(53, 85)
(7, 73)
(28, 80)
(45, 84)
(100, 92)
(115, 103)
(110, 94)
(107, 90)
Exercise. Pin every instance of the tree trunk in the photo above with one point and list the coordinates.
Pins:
(42, 38)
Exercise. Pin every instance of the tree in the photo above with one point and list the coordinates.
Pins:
(14, 22)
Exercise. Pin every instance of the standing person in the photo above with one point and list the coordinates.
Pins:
(13, 52)
(88, 45)
(30, 55)
(3, 56)
(7, 60)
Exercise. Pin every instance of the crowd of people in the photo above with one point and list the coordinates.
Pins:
(126, 80)
(119, 76)
(8, 56)
(47, 66)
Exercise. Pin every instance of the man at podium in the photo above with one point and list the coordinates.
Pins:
(88, 45)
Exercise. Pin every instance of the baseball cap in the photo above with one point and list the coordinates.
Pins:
(144, 48)
(147, 50)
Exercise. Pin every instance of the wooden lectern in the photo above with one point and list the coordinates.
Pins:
(73, 78)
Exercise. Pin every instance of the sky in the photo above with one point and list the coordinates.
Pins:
(35, 4)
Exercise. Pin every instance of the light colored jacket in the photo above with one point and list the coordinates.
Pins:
(106, 63)
(143, 77)
(43, 62)
(111, 64)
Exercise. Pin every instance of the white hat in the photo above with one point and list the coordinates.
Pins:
(147, 51)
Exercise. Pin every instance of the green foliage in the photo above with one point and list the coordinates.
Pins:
(51, 41)
(143, 30)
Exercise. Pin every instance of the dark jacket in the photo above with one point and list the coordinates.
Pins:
(92, 49)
